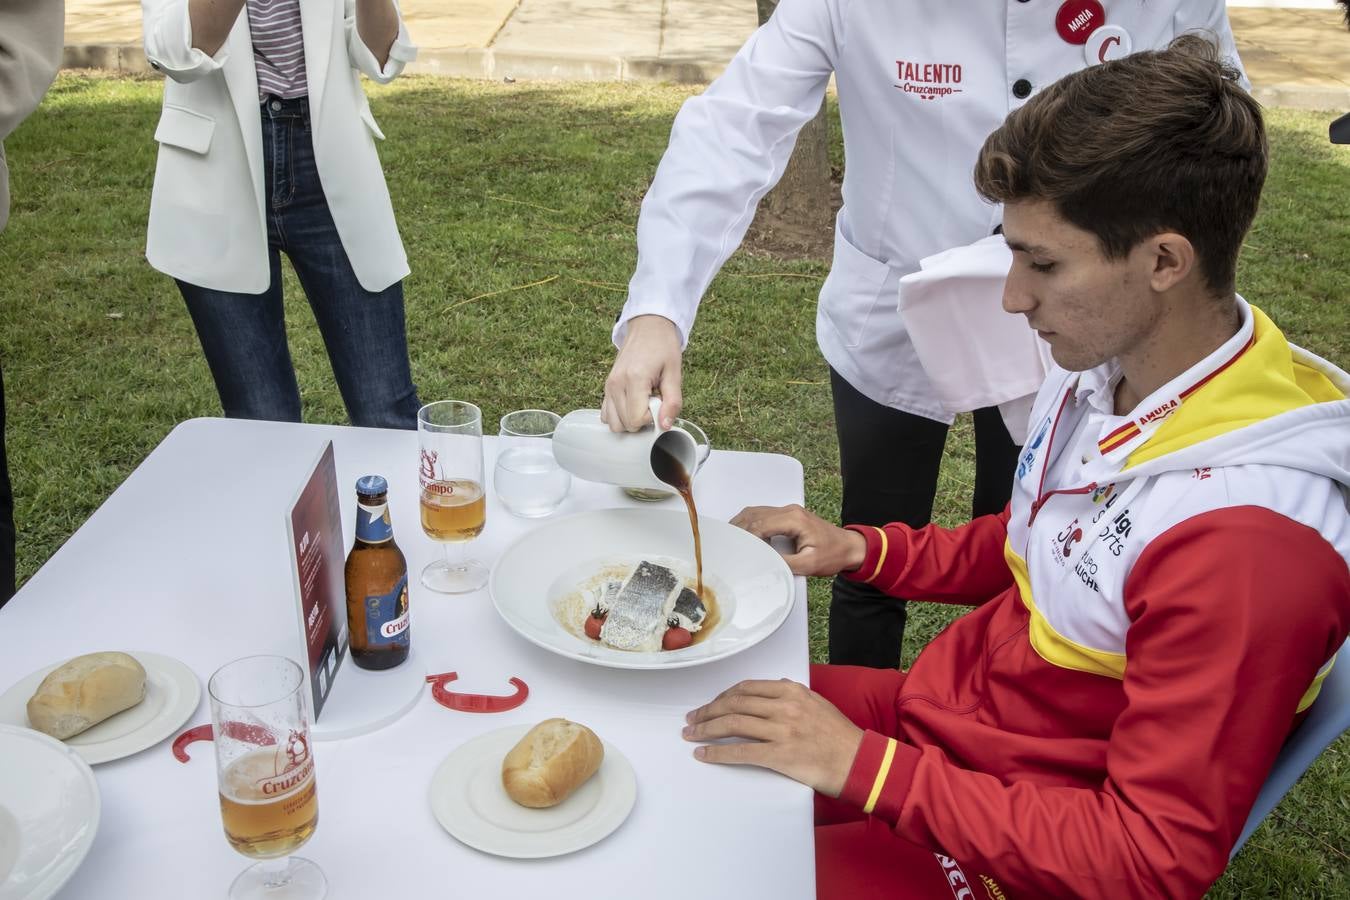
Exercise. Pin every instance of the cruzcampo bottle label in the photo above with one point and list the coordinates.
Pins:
(372, 523)
(385, 624)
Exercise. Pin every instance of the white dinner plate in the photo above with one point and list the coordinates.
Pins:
(751, 580)
(469, 801)
(49, 810)
(172, 693)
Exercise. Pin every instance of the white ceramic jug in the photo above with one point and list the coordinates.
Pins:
(584, 446)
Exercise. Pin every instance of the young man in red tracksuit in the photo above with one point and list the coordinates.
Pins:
(1163, 596)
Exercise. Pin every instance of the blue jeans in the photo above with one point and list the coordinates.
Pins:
(244, 335)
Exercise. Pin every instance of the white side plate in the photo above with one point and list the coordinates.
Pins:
(469, 801)
(172, 693)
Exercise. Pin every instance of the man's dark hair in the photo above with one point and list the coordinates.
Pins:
(1163, 140)
(1346, 4)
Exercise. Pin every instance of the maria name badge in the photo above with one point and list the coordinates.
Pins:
(1076, 20)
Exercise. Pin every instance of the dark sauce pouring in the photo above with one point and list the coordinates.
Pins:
(667, 467)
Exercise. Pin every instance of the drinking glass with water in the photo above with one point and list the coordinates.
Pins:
(528, 480)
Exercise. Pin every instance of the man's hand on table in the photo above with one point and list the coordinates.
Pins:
(784, 726)
(822, 548)
(648, 363)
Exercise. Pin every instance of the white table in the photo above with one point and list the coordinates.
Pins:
(189, 558)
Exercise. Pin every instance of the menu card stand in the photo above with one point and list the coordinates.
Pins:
(346, 700)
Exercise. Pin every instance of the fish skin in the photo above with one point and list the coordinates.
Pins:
(689, 609)
(637, 617)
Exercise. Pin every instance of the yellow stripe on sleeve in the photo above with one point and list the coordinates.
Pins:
(881, 776)
(881, 560)
(1316, 687)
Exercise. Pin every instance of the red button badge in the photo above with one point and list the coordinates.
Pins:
(1077, 19)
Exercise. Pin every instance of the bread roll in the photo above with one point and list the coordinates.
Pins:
(84, 692)
(551, 761)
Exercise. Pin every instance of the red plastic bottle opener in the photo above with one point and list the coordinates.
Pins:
(475, 703)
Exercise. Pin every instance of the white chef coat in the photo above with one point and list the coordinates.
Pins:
(921, 84)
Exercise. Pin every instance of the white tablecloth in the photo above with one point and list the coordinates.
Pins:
(189, 558)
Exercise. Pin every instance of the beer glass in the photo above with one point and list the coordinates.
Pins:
(453, 502)
(527, 479)
(265, 772)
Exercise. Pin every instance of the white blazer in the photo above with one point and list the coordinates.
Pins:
(921, 84)
(207, 224)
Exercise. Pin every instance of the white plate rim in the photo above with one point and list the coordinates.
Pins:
(640, 661)
(75, 855)
(615, 767)
(173, 716)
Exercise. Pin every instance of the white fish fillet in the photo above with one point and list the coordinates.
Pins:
(637, 616)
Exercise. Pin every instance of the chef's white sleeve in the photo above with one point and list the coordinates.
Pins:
(728, 147)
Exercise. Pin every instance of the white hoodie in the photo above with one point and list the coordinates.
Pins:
(1094, 489)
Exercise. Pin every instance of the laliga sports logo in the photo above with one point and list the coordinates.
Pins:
(292, 766)
(1102, 493)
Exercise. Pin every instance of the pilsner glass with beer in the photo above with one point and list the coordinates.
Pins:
(268, 798)
(453, 502)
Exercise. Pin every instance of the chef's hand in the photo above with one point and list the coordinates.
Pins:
(822, 548)
(785, 726)
(649, 363)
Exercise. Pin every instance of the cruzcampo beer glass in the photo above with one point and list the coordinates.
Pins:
(265, 772)
(453, 502)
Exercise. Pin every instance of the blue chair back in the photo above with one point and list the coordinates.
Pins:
(1328, 718)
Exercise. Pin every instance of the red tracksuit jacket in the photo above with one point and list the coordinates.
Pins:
(1153, 611)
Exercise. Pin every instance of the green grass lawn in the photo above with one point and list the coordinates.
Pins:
(517, 204)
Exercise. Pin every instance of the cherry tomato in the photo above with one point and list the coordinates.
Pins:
(593, 623)
(676, 638)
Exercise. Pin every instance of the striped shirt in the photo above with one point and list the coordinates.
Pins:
(278, 48)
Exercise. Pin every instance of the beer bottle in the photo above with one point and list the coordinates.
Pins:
(377, 583)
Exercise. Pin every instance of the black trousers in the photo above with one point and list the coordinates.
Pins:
(889, 462)
(6, 512)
